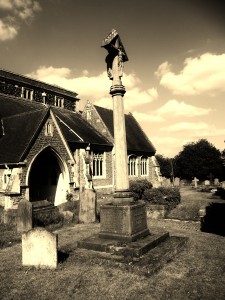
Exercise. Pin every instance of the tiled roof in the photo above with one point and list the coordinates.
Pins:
(19, 132)
(137, 141)
(22, 120)
(77, 130)
(10, 105)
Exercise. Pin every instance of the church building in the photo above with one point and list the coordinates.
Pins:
(51, 151)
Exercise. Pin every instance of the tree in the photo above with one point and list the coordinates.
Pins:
(199, 159)
(165, 164)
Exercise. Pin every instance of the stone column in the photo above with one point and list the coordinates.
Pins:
(121, 165)
(124, 219)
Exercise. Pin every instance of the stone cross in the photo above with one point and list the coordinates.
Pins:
(116, 56)
(114, 60)
(195, 182)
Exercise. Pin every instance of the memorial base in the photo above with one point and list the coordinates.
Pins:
(123, 222)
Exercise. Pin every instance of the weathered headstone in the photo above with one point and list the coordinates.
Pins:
(24, 216)
(39, 248)
(207, 182)
(195, 181)
(87, 213)
(216, 181)
(177, 181)
(223, 184)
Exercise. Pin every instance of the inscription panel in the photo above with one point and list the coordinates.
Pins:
(138, 219)
(113, 219)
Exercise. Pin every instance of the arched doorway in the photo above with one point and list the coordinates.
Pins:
(45, 172)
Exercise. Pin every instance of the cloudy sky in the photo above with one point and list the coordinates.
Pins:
(175, 76)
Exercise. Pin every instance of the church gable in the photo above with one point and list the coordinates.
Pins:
(91, 114)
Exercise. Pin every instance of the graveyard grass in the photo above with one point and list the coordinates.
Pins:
(195, 273)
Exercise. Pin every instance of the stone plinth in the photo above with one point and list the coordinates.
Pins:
(132, 249)
(124, 222)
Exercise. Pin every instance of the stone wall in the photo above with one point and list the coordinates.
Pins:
(14, 89)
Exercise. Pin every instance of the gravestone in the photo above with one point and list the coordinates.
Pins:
(223, 184)
(24, 216)
(216, 181)
(177, 181)
(87, 213)
(39, 248)
(207, 182)
(195, 181)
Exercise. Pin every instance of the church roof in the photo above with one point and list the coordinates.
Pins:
(21, 120)
(137, 141)
(77, 130)
(19, 130)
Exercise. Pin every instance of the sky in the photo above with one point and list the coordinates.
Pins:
(175, 76)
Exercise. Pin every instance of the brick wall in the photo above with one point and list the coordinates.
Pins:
(105, 184)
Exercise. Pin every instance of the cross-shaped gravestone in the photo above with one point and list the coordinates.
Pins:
(195, 182)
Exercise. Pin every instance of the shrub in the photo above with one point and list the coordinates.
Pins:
(9, 235)
(163, 195)
(137, 187)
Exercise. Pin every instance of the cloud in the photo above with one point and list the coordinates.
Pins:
(167, 146)
(175, 108)
(7, 32)
(15, 11)
(96, 88)
(185, 126)
(148, 117)
(203, 74)
(211, 131)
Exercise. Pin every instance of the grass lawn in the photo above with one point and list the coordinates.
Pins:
(196, 273)
(191, 201)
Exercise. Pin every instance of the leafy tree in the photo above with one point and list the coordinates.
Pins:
(165, 164)
(199, 159)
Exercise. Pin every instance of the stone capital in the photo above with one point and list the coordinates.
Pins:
(117, 89)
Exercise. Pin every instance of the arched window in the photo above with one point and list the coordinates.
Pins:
(144, 165)
(97, 164)
(132, 165)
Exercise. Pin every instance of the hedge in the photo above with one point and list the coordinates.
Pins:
(137, 187)
(168, 196)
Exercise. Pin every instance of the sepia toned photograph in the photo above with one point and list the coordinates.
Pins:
(112, 149)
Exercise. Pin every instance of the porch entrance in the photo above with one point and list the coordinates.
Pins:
(44, 176)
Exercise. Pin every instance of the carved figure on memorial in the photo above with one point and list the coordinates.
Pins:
(116, 55)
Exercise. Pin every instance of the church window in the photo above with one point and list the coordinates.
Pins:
(59, 102)
(144, 165)
(132, 165)
(6, 178)
(27, 93)
(98, 164)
